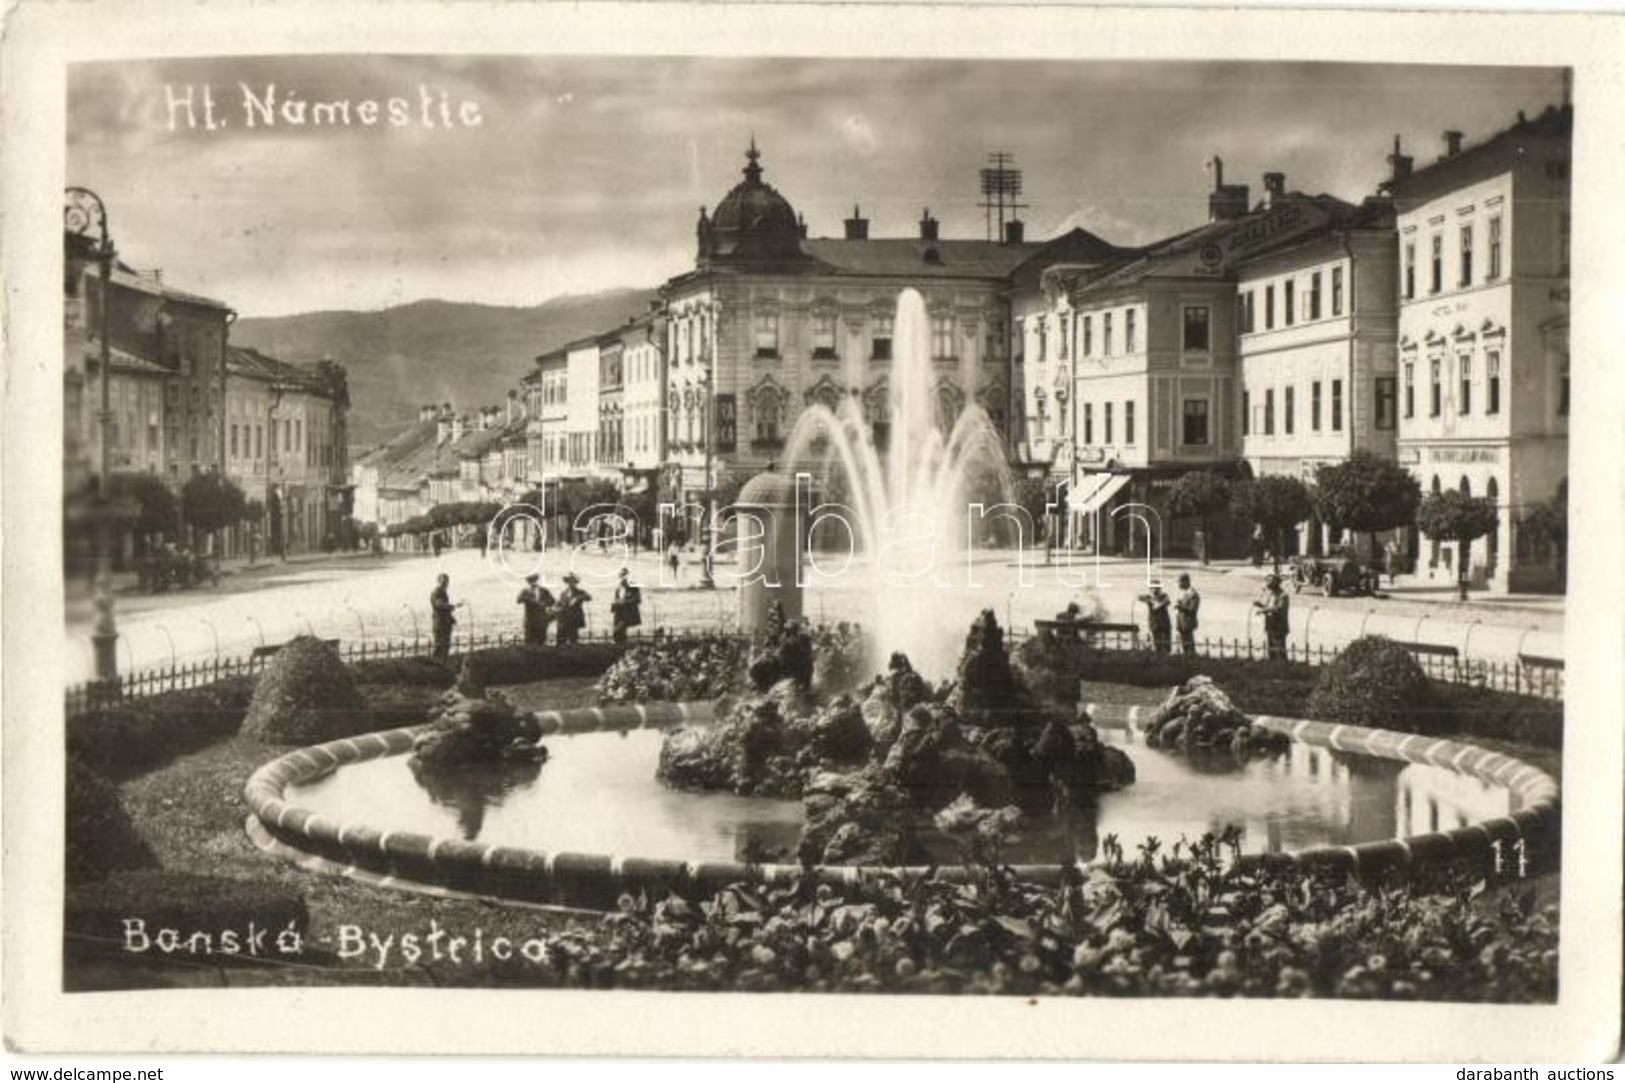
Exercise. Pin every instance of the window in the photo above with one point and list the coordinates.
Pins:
(1108, 423)
(1436, 400)
(767, 334)
(1563, 242)
(942, 338)
(1043, 339)
(1128, 422)
(1246, 413)
(1437, 274)
(1410, 389)
(1088, 336)
(234, 441)
(880, 345)
(1287, 301)
(1314, 406)
(1244, 311)
(1066, 333)
(1492, 377)
(1196, 330)
(1467, 254)
(1563, 387)
(1287, 405)
(824, 335)
(1337, 405)
(1337, 291)
(1195, 427)
(1129, 345)
(1314, 296)
(259, 441)
(1269, 307)
(1557, 169)
(1385, 402)
(1465, 406)
(1088, 423)
(1410, 269)
(1269, 412)
(1106, 335)
(298, 432)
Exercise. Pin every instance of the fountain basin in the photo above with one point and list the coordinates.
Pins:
(284, 823)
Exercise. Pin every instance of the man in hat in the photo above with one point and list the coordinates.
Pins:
(443, 616)
(538, 603)
(1274, 607)
(572, 609)
(1162, 629)
(1186, 607)
(626, 608)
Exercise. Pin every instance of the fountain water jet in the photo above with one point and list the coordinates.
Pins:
(908, 503)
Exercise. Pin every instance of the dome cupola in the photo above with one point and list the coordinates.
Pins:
(752, 223)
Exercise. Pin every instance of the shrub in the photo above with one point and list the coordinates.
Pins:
(519, 664)
(99, 833)
(1376, 682)
(125, 739)
(676, 670)
(306, 695)
(402, 671)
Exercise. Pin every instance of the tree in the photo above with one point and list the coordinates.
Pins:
(1548, 523)
(1275, 504)
(157, 511)
(1455, 516)
(1366, 493)
(1201, 495)
(1032, 496)
(212, 502)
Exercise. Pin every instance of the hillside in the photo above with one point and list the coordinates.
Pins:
(434, 351)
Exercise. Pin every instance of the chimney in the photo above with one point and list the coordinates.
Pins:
(1401, 163)
(857, 227)
(1015, 231)
(928, 226)
(1452, 144)
(1226, 201)
(1274, 188)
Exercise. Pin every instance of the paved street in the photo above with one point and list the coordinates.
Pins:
(353, 596)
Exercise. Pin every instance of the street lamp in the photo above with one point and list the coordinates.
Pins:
(84, 213)
(707, 582)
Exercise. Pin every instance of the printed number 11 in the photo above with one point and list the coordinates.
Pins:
(1518, 851)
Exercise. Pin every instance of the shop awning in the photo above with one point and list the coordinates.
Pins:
(1096, 497)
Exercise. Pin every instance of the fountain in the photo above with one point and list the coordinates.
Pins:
(906, 504)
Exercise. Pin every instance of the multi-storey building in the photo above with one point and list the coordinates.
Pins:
(581, 408)
(643, 373)
(1483, 335)
(1318, 323)
(607, 452)
(547, 390)
(770, 321)
(287, 448)
(1156, 361)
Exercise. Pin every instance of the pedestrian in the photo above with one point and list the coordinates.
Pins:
(1187, 607)
(572, 609)
(626, 608)
(485, 541)
(1274, 605)
(673, 560)
(1162, 629)
(434, 540)
(1394, 562)
(444, 616)
(538, 602)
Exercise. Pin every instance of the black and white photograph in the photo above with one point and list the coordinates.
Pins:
(1069, 527)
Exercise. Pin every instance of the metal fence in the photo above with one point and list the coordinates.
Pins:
(1540, 677)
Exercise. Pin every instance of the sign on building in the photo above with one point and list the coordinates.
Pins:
(727, 434)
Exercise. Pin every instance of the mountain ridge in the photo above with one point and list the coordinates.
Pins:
(433, 350)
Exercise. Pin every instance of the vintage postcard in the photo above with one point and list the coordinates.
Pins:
(987, 521)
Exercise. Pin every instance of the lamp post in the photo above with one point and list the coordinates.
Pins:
(707, 582)
(85, 214)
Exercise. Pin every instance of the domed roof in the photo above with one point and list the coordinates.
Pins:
(752, 221)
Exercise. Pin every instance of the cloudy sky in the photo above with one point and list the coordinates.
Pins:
(586, 174)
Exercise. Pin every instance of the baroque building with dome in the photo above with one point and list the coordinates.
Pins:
(771, 320)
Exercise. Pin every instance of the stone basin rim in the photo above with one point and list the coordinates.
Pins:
(569, 877)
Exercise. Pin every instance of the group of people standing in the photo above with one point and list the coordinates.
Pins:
(1182, 613)
(542, 610)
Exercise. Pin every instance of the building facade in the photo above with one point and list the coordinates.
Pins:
(1483, 336)
(1318, 324)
